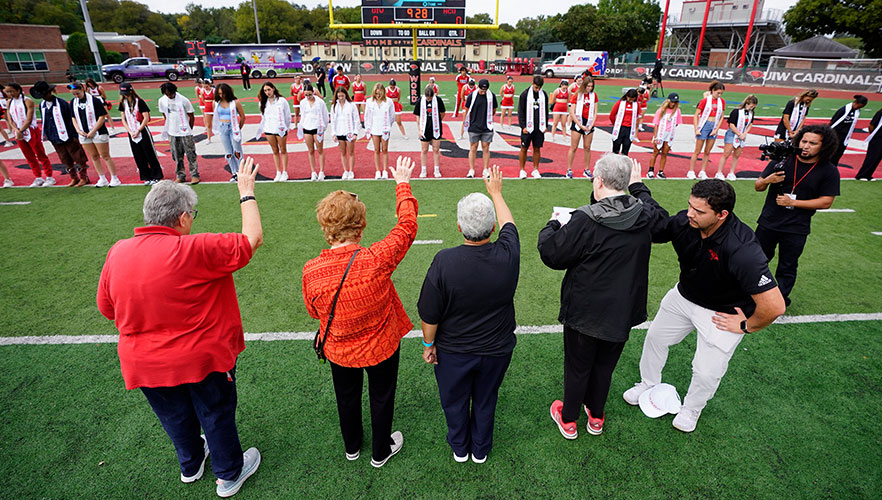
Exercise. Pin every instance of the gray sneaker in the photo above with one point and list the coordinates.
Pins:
(198, 475)
(251, 459)
(686, 419)
(397, 442)
(632, 395)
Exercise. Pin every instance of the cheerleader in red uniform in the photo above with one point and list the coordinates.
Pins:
(393, 93)
(464, 94)
(462, 80)
(507, 92)
(572, 89)
(208, 106)
(433, 85)
(559, 100)
(359, 93)
(296, 94)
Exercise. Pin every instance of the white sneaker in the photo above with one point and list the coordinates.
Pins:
(686, 419)
(690, 174)
(650, 174)
(471, 173)
(377, 175)
(397, 442)
(250, 463)
(437, 172)
(731, 177)
(278, 176)
(370, 146)
(321, 176)
(405, 136)
(8, 183)
(523, 174)
(423, 171)
(353, 456)
(102, 182)
(386, 174)
(702, 175)
(313, 176)
(460, 459)
(198, 475)
(720, 176)
(536, 174)
(640, 128)
(50, 181)
(485, 172)
(632, 395)
(114, 181)
(284, 176)
(478, 460)
(37, 182)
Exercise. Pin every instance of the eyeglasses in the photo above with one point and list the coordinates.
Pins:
(193, 213)
(354, 196)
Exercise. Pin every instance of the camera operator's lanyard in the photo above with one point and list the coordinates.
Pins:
(796, 183)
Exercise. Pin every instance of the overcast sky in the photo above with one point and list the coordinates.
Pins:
(509, 10)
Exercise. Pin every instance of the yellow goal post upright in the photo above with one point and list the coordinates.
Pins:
(362, 26)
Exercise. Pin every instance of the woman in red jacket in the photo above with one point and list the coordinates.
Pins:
(624, 117)
(369, 320)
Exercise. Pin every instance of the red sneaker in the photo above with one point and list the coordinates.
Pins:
(567, 429)
(595, 425)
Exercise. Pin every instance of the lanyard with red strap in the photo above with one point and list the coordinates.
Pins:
(796, 183)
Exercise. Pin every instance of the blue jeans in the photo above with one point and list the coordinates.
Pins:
(469, 388)
(232, 148)
(211, 404)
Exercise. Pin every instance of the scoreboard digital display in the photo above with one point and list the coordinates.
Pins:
(423, 12)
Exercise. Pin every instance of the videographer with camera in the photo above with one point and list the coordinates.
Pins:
(802, 180)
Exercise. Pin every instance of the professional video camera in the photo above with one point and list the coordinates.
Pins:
(776, 151)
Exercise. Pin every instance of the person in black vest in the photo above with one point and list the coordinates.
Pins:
(874, 149)
(532, 119)
(803, 183)
(843, 123)
(58, 128)
(245, 69)
(604, 246)
(320, 78)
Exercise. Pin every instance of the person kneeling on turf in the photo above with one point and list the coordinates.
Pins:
(468, 318)
(172, 298)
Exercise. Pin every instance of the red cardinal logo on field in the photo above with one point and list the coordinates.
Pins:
(367, 66)
(713, 255)
(640, 71)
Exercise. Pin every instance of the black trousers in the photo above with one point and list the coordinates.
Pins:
(246, 81)
(469, 388)
(211, 404)
(588, 367)
(790, 247)
(871, 161)
(382, 381)
(840, 150)
(145, 157)
(623, 143)
(321, 88)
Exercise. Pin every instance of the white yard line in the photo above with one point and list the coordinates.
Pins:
(521, 330)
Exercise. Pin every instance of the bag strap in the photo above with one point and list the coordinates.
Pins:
(336, 296)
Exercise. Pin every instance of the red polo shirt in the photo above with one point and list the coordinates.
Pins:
(174, 303)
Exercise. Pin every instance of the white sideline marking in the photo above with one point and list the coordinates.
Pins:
(877, 233)
(837, 210)
(15, 203)
(428, 242)
(521, 330)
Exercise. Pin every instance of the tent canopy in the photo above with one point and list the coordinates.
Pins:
(817, 47)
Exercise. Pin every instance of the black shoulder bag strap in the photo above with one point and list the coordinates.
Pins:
(319, 345)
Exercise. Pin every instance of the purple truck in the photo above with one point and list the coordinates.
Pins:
(141, 67)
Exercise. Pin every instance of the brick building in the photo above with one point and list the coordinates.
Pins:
(31, 52)
(128, 45)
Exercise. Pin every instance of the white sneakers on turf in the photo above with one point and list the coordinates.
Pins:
(386, 174)
(278, 176)
(353, 456)
(198, 475)
(102, 181)
(650, 174)
(377, 175)
(479, 460)
(437, 172)
(284, 176)
(251, 461)
(523, 174)
(37, 182)
(686, 419)
(397, 442)
(702, 175)
(720, 176)
(114, 181)
(423, 172)
(536, 174)
(690, 174)
(460, 459)
(50, 181)
(632, 395)
(485, 172)
(321, 176)
(8, 183)
(313, 176)
(471, 174)
(731, 177)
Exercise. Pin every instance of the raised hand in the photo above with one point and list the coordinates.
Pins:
(246, 177)
(636, 171)
(403, 169)
(493, 182)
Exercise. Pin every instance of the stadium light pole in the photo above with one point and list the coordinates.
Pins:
(661, 36)
(701, 37)
(749, 30)
(256, 25)
(90, 34)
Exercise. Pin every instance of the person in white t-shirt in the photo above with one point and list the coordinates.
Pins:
(178, 128)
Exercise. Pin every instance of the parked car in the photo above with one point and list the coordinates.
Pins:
(141, 67)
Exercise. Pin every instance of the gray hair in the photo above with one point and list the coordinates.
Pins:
(476, 216)
(166, 201)
(614, 170)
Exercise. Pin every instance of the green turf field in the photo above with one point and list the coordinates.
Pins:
(769, 104)
(795, 417)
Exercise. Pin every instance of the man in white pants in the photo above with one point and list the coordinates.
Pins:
(725, 291)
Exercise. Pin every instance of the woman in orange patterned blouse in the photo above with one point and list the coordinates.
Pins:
(369, 320)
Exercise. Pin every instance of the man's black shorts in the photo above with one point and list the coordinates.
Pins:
(537, 138)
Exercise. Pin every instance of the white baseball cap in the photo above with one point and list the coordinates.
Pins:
(660, 400)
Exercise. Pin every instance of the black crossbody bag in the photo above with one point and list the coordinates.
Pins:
(319, 345)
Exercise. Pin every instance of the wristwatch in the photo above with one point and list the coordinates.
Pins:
(246, 198)
(744, 326)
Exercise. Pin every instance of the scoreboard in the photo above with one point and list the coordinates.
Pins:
(423, 12)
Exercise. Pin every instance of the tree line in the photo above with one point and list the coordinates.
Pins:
(618, 26)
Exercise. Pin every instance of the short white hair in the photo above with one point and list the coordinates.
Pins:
(476, 216)
(166, 201)
(614, 170)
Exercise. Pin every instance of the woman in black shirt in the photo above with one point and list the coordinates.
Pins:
(429, 111)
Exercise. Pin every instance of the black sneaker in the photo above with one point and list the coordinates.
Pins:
(650, 174)
(661, 175)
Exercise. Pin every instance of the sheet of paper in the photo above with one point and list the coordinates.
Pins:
(561, 214)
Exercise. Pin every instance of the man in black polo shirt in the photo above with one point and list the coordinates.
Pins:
(801, 184)
(533, 120)
(843, 122)
(725, 291)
